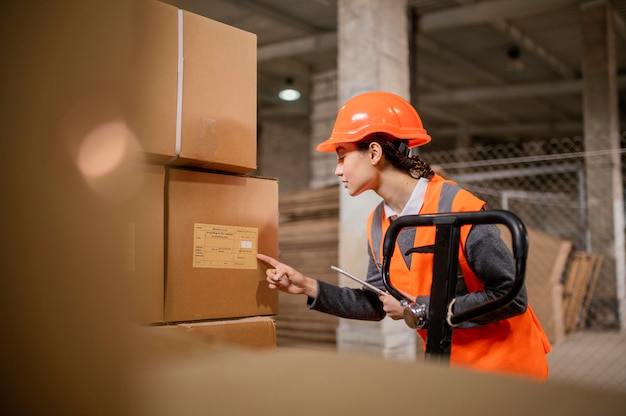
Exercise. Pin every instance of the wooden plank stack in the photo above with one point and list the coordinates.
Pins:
(580, 284)
(560, 282)
(308, 241)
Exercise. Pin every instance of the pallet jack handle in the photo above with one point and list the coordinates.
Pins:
(446, 263)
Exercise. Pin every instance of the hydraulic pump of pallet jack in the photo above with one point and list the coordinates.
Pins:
(414, 314)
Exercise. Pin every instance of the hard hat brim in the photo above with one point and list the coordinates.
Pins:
(331, 144)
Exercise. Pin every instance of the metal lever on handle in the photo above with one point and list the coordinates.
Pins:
(445, 265)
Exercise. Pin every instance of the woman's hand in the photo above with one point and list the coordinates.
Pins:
(392, 306)
(288, 279)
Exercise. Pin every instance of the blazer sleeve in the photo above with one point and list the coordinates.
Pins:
(350, 303)
(493, 264)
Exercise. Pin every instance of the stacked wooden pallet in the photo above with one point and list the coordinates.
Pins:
(547, 259)
(580, 284)
(308, 241)
(560, 282)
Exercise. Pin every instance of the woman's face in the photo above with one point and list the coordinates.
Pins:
(355, 169)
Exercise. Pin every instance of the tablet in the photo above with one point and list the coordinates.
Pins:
(356, 279)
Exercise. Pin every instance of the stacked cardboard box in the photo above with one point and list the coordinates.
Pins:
(200, 218)
(193, 101)
(255, 332)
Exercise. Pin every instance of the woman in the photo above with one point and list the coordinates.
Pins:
(372, 135)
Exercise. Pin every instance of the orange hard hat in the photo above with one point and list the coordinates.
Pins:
(376, 112)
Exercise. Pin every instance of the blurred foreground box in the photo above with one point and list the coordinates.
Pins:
(145, 246)
(185, 375)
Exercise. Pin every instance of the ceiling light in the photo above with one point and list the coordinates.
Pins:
(289, 93)
(514, 66)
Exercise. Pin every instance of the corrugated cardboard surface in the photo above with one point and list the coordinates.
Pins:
(254, 332)
(217, 110)
(196, 293)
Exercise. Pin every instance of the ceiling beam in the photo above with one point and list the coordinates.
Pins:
(424, 82)
(525, 41)
(483, 12)
(509, 91)
(498, 10)
(277, 15)
(301, 46)
(424, 42)
(445, 116)
(560, 127)
(530, 45)
(429, 45)
(285, 110)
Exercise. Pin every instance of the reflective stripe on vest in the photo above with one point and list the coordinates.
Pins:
(446, 198)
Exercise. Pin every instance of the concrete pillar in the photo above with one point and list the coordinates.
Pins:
(373, 54)
(605, 202)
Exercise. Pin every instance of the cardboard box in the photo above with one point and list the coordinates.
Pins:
(193, 96)
(216, 223)
(254, 332)
(145, 249)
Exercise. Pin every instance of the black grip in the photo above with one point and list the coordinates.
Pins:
(519, 238)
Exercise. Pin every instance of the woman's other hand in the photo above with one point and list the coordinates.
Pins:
(392, 306)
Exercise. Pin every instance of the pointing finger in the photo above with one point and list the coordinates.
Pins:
(267, 259)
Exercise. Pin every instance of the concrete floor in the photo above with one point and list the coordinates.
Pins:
(591, 359)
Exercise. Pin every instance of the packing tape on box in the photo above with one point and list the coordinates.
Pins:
(205, 141)
(204, 128)
(179, 92)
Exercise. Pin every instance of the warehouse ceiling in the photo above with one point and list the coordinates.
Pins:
(494, 69)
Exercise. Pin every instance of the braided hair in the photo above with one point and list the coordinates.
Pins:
(397, 153)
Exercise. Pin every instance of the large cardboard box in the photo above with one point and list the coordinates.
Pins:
(253, 332)
(216, 223)
(193, 96)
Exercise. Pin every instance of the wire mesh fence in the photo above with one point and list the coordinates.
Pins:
(574, 211)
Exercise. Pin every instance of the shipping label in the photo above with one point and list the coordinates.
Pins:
(225, 247)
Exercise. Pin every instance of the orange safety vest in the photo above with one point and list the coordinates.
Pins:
(515, 345)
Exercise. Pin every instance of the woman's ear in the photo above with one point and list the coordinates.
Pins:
(375, 153)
